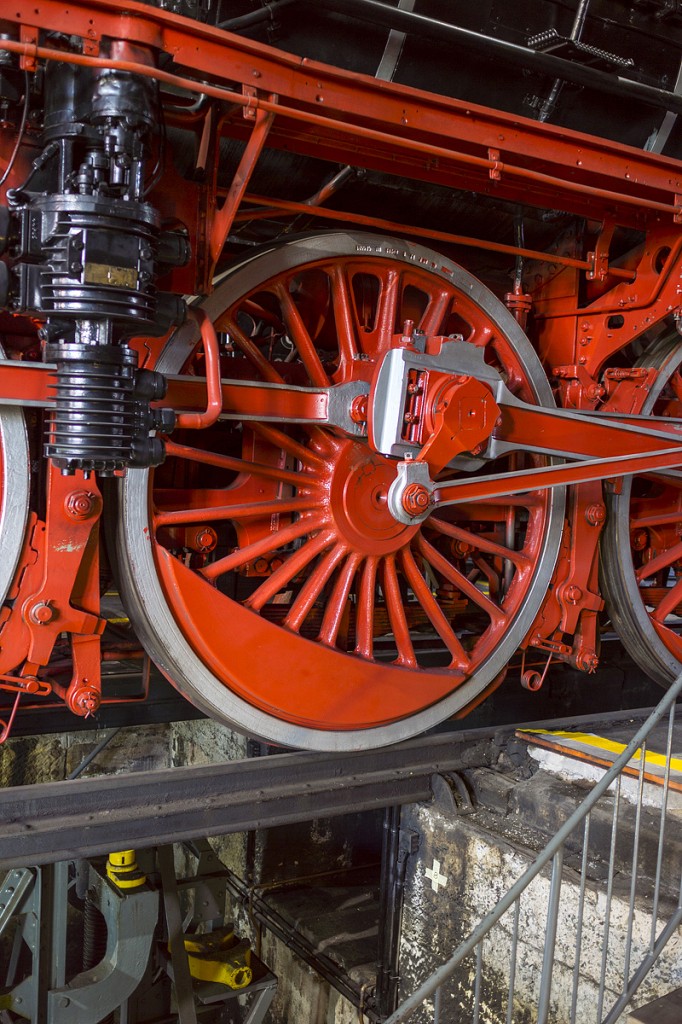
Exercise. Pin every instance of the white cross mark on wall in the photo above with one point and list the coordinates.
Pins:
(435, 876)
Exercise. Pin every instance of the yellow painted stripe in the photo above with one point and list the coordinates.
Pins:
(601, 743)
(119, 620)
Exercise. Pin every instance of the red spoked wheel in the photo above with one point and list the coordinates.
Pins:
(641, 563)
(260, 563)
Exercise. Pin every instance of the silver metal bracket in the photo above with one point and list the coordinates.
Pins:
(90, 996)
(390, 392)
(410, 472)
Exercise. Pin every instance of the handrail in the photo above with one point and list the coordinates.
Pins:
(551, 850)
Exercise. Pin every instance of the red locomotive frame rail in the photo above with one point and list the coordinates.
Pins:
(587, 311)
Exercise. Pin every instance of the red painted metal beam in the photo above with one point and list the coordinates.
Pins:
(480, 489)
(500, 153)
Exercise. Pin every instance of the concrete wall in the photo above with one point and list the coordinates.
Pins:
(479, 858)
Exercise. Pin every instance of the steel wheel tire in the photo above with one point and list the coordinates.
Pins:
(14, 502)
(657, 649)
(151, 578)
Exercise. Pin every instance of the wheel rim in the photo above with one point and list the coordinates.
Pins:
(320, 640)
(642, 548)
(14, 501)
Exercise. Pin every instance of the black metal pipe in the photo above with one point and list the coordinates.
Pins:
(253, 18)
(378, 13)
(390, 914)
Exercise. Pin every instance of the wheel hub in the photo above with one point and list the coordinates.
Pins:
(359, 501)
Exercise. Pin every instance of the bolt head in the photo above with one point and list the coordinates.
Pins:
(416, 499)
(639, 540)
(358, 409)
(595, 514)
(41, 613)
(80, 504)
(85, 701)
(205, 539)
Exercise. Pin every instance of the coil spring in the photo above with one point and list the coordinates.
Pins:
(93, 425)
(94, 939)
(94, 934)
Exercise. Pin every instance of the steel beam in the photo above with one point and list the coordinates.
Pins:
(56, 821)
(85, 817)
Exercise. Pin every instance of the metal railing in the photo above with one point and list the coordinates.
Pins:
(611, 986)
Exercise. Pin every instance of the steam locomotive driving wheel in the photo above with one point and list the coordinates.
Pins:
(261, 564)
(641, 573)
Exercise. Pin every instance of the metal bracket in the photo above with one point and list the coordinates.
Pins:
(131, 921)
(495, 171)
(389, 393)
(16, 884)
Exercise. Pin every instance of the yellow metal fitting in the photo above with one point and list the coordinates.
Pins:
(219, 956)
(123, 871)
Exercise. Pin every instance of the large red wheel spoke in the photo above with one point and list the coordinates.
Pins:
(313, 587)
(481, 543)
(236, 465)
(338, 601)
(301, 339)
(662, 561)
(256, 509)
(460, 581)
(669, 603)
(396, 614)
(640, 522)
(245, 555)
(432, 608)
(435, 313)
(344, 321)
(252, 352)
(286, 572)
(387, 306)
(281, 440)
(364, 642)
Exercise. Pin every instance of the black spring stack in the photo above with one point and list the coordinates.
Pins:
(93, 425)
(87, 250)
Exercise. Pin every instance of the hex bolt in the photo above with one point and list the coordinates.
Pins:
(205, 539)
(41, 613)
(586, 660)
(85, 701)
(595, 514)
(80, 504)
(639, 540)
(416, 499)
